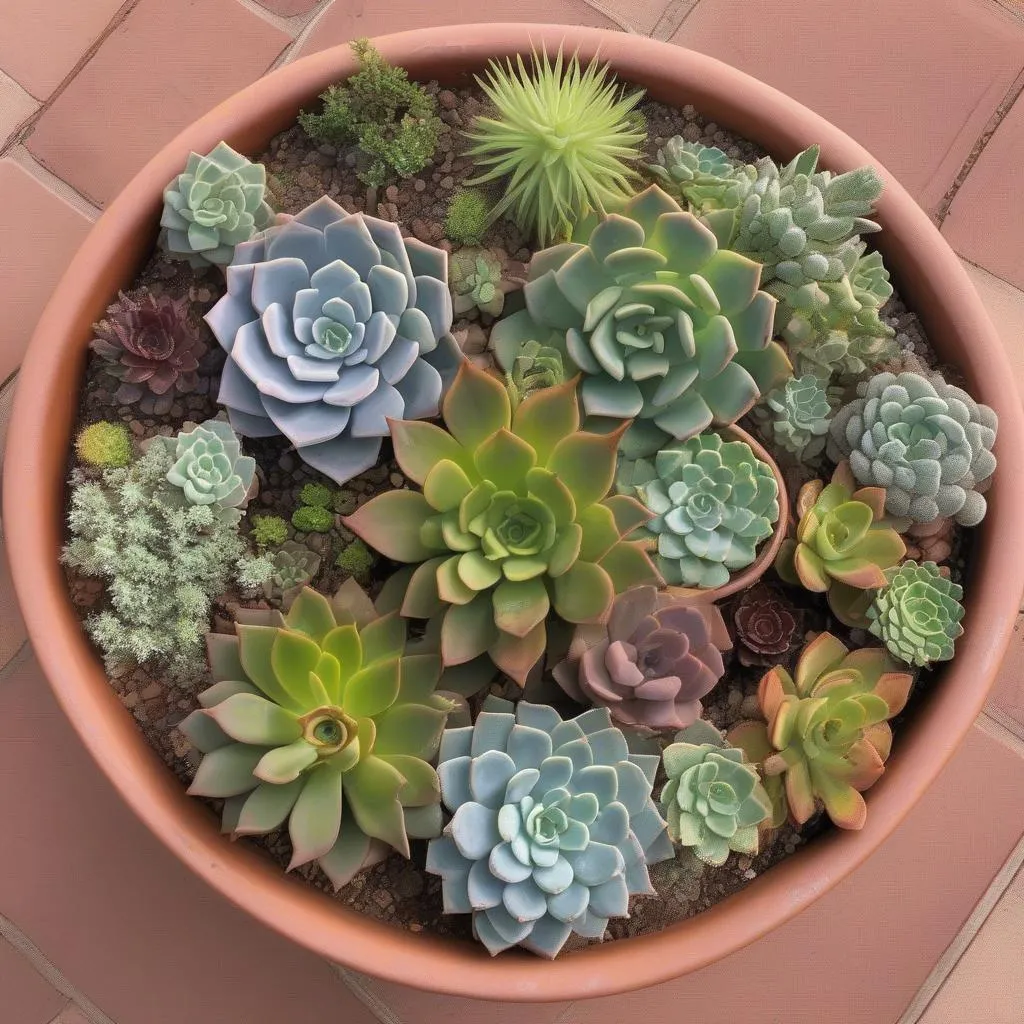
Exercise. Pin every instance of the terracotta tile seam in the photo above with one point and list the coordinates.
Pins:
(1009, 284)
(354, 982)
(53, 183)
(672, 18)
(613, 16)
(11, 135)
(50, 973)
(286, 25)
(1002, 727)
(946, 966)
(1012, 8)
(294, 49)
(8, 670)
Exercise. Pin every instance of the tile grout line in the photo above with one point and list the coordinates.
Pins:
(49, 972)
(672, 18)
(290, 26)
(52, 183)
(613, 16)
(1001, 726)
(299, 41)
(373, 1002)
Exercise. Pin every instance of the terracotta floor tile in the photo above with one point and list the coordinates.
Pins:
(71, 1014)
(158, 71)
(1005, 306)
(16, 106)
(25, 997)
(913, 81)
(983, 218)
(42, 40)
(860, 953)
(39, 232)
(12, 629)
(122, 919)
(288, 8)
(1008, 693)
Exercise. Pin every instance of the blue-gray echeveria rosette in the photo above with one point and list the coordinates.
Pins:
(553, 825)
(334, 324)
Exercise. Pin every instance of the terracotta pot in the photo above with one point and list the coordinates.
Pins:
(930, 278)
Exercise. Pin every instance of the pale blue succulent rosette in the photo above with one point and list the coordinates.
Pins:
(334, 324)
(553, 825)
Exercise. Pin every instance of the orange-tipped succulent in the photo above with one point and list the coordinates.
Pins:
(826, 730)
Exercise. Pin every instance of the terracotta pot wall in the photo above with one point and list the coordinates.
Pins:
(930, 278)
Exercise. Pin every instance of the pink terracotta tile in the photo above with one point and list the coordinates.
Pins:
(71, 1014)
(163, 67)
(1008, 693)
(39, 232)
(16, 107)
(12, 628)
(1005, 305)
(914, 82)
(121, 918)
(42, 40)
(25, 996)
(983, 217)
(288, 8)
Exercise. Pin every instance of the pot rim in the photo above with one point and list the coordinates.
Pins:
(929, 276)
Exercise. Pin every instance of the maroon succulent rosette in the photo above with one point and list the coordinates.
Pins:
(766, 626)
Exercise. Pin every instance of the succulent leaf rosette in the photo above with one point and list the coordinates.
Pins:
(324, 720)
(513, 520)
(796, 416)
(917, 613)
(929, 444)
(475, 279)
(766, 625)
(216, 203)
(334, 323)
(692, 170)
(825, 728)
(664, 325)
(294, 566)
(713, 503)
(651, 662)
(553, 825)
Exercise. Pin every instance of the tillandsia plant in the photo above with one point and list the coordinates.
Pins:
(475, 279)
(321, 718)
(217, 202)
(151, 346)
(827, 728)
(843, 543)
(334, 323)
(553, 826)
(468, 216)
(691, 171)
(563, 136)
(537, 366)
(104, 445)
(767, 625)
(663, 324)
(796, 417)
(713, 503)
(393, 121)
(713, 800)
(513, 520)
(651, 662)
(917, 613)
(928, 443)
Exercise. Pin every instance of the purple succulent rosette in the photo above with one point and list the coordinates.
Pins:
(334, 324)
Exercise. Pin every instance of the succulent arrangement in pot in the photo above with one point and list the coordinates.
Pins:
(432, 513)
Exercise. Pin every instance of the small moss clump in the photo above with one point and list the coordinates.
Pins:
(355, 560)
(269, 531)
(393, 121)
(318, 495)
(468, 216)
(105, 445)
(313, 519)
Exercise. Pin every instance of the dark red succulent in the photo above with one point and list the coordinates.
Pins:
(766, 625)
(151, 345)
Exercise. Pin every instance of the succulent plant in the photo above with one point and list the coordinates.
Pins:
(313, 519)
(355, 559)
(334, 324)
(469, 214)
(322, 719)
(319, 495)
(929, 542)
(475, 279)
(796, 416)
(563, 135)
(843, 543)
(513, 520)
(152, 347)
(766, 625)
(713, 502)
(217, 202)
(827, 728)
(713, 800)
(553, 825)
(104, 445)
(917, 613)
(690, 169)
(210, 468)
(663, 324)
(536, 367)
(928, 444)
(269, 531)
(294, 566)
(651, 662)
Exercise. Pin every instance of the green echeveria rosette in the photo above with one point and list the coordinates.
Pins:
(475, 279)
(713, 503)
(324, 720)
(690, 169)
(553, 825)
(214, 205)
(664, 325)
(918, 614)
(796, 417)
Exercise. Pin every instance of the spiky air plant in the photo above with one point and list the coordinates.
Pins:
(563, 136)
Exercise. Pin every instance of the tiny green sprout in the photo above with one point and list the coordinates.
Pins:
(318, 495)
(105, 445)
(355, 559)
(269, 531)
(312, 519)
(468, 217)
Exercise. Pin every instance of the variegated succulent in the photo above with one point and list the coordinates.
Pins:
(797, 415)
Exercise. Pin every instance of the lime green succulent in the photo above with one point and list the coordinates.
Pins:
(796, 416)
(537, 366)
(474, 276)
(322, 719)
(468, 216)
(663, 324)
(318, 495)
(104, 445)
(917, 613)
(269, 531)
(694, 172)
(313, 519)
(513, 520)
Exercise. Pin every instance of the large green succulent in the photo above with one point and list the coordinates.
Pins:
(513, 520)
(929, 444)
(664, 325)
(694, 172)
(216, 203)
(797, 415)
(917, 613)
(713, 502)
(324, 720)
